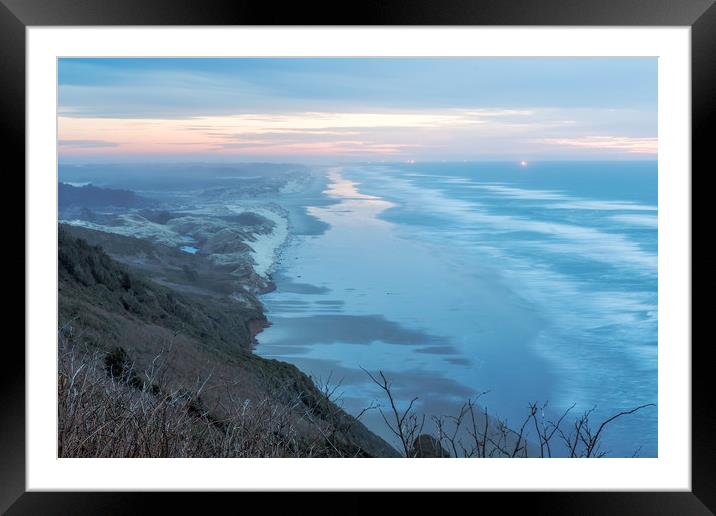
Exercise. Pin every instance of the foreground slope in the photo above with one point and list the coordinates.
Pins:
(146, 345)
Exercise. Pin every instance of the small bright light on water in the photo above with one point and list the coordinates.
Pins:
(523, 163)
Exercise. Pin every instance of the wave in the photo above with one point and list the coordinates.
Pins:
(610, 248)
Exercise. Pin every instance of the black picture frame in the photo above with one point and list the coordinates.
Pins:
(17, 15)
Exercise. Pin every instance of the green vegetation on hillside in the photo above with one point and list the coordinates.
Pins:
(93, 285)
(142, 349)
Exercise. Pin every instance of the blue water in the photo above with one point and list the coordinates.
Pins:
(535, 283)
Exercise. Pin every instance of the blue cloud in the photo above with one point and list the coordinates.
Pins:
(153, 87)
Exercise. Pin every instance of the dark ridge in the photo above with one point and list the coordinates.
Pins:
(91, 196)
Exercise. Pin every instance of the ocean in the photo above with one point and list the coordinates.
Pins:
(527, 282)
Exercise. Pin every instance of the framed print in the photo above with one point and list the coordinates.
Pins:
(423, 248)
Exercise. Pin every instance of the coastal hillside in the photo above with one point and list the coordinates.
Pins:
(194, 273)
(232, 250)
(143, 349)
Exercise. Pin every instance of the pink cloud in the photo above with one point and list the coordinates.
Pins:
(617, 143)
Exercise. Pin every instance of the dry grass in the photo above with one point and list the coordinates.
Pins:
(107, 409)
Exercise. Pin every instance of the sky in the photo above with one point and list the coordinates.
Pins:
(356, 109)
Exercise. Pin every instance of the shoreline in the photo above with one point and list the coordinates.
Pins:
(293, 211)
